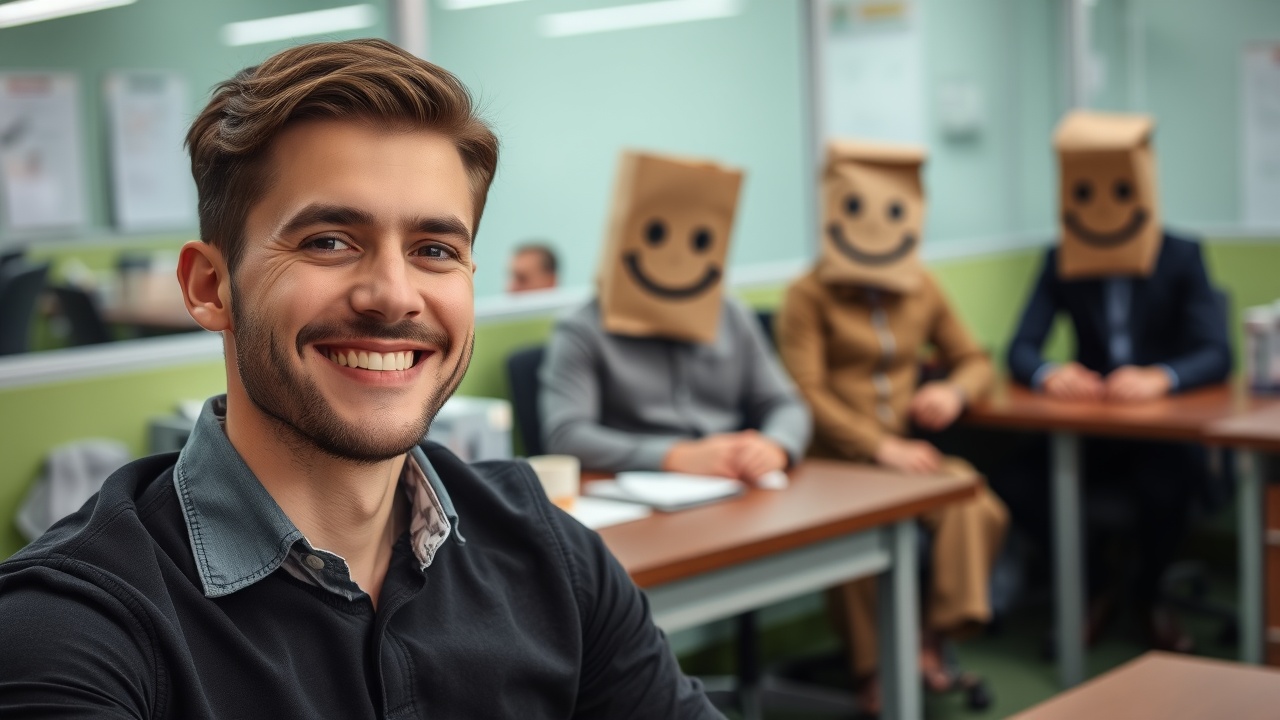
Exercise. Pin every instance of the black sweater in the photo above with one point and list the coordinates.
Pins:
(104, 616)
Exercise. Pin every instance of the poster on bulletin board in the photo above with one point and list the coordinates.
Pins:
(151, 186)
(41, 159)
(874, 71)
(1261, 136)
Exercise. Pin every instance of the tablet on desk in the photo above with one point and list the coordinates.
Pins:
(666, 492)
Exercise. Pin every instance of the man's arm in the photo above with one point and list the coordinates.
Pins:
(770, 401)
(803, 350)
(1025, 358)
(1207, 359)
(70, 650)
(628, 670)
(569, 403)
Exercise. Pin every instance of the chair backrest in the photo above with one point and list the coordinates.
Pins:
(87, 325)
(522, 374)
(766, 323)
(20, 287)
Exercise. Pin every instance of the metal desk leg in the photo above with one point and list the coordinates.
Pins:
(1250, 500)
(1068, 548)
(899, 627)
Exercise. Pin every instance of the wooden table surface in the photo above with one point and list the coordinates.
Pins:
(826, 499)
(1258, 430)
(1163, 686)
(1183, 417)
(153, 301)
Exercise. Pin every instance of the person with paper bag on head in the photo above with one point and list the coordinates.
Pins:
(1147, 323)
(662, 371)
(851, 332)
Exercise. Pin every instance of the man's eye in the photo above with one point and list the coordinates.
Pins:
(326, 243)
(435, 252)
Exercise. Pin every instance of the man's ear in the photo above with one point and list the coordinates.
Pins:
(206, 285)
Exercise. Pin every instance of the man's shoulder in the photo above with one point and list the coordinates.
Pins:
(1180, 250)
(585, 316)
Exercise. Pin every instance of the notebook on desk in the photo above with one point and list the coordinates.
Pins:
(665, 492)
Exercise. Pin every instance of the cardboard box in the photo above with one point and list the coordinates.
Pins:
(662, 269)
(1110, 215)
(873, 215)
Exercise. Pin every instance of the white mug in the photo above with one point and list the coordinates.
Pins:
(559, 475)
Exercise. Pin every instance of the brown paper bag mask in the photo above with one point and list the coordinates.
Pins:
(662, 270)
(873, 216)
(1110, 219)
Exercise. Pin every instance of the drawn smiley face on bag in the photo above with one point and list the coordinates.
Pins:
(662, 272)
(873, 216)
(1109, 214)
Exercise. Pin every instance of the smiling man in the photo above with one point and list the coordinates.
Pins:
(303, 556)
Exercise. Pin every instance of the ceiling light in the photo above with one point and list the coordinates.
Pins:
(23, 12)
(284, 27)
(626, 17)
(468, 4)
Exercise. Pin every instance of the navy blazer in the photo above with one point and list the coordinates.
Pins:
(1175, 319)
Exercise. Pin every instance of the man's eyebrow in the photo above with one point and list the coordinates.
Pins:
(443, 225)
(322, 214)
(325, 214)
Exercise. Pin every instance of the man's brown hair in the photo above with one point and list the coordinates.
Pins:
(364, 80)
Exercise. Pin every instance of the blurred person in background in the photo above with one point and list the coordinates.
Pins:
(851, 332)
(534, 266)
(1146, 323)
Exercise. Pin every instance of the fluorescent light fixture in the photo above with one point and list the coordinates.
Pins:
(468, 4)
(283, 27)
(627, 17)
(23, 12)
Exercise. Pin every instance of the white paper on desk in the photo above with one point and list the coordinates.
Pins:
(597, 513)
(666, 491)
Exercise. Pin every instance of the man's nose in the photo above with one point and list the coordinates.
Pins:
(385, 287)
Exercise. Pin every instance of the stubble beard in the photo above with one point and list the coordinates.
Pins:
(298, 408)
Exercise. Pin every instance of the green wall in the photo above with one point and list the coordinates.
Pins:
(988, 293)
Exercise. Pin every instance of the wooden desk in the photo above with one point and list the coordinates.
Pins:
(1163, 686)
(836, 522)
(1184, 417)
(1255, 435)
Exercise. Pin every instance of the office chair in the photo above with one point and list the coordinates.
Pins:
(20, 287)
(522, 375)
(80, 310)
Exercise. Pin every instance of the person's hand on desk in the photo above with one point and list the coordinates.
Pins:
(759, 456)
(915, 456)
(1130, 383)
(936, 405)
(745, 456)
(1074, 381)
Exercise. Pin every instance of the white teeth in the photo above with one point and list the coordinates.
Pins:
(384, 362)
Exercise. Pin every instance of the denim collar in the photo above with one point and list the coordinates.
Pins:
(238, 532)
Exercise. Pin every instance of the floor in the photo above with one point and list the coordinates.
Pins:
(1012, 657)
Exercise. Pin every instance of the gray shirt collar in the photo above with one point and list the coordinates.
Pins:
(238, 532)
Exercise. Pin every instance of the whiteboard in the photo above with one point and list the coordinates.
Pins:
(874, 71)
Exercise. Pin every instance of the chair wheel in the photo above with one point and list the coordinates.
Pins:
(978, 697)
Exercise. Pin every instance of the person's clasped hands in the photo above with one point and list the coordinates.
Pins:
(1129, 383)
(746, 455)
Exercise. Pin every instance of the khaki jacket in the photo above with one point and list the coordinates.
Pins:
(855, 355)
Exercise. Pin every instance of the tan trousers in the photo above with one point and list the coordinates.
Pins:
(966, 539)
